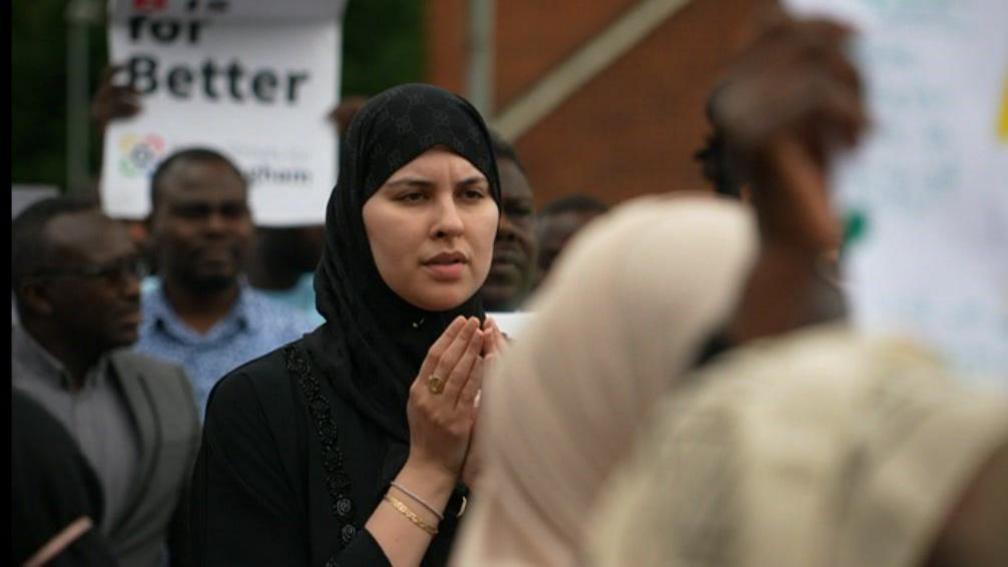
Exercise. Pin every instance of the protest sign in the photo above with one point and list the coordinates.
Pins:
(254, 80)
(512, 324)
(930, 186)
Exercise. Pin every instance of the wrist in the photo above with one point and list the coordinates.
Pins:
(429, 480)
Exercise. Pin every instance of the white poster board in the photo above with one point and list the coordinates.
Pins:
(253, 79)
(513, 323)
(931, 183)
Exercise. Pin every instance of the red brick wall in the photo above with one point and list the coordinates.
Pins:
(445, 24)
(634, 127)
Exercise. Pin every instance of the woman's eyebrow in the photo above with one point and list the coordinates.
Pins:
(474, 180)
(409, 181)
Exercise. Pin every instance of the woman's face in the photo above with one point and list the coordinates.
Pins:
(431, 227)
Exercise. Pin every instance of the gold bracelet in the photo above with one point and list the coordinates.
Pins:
(405, 511)
(417, 499)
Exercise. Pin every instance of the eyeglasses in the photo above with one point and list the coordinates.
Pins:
(114, 272)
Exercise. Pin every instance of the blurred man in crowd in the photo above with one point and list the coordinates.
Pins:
(889, 459)
(283, 259)
(513, 269)
(723, 167)
(203, 314)
(76, 278)
(558, 222)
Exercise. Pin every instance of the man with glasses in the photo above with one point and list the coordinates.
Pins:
(75, 275)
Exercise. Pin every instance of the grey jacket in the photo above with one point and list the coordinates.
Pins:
(161, 400)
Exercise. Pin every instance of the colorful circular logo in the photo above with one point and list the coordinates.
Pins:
(138, 156)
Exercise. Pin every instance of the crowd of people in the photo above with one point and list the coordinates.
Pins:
(194, 390)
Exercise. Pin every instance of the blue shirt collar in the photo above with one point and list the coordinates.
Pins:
(159, 315)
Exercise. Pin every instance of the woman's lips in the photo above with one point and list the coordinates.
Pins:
(445, 272)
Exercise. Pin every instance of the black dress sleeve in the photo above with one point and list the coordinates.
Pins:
(244, 509)
(249, 489)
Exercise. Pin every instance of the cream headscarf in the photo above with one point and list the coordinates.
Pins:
(820, 449)
(623, 314)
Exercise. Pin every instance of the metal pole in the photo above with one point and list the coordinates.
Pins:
(80, 14)
(481, 56)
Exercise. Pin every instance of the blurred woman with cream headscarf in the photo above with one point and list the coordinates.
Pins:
(627, 311)
(807, 447)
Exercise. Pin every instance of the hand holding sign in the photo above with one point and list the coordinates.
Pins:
(113, 102)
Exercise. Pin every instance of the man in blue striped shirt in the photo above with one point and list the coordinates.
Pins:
(203, 314)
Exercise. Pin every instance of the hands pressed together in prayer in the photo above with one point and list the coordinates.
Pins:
(442, 412)
(443, 403)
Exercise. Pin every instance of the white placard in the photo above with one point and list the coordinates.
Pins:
(253, 79)
(931, 183)
(511, 324)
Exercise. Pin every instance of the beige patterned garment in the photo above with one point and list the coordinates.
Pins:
(623, 314)
(819, 449)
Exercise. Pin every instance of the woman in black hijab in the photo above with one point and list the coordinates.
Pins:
(349, 447)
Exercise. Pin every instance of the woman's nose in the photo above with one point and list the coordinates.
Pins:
(449, 221)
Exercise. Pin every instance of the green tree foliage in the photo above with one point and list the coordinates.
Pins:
(38, 90)
(382, 46)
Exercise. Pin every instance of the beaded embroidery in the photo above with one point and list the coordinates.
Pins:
(337, 482)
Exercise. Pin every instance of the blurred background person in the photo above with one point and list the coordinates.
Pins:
(283, 259)
(76, 277)
(812, 446)
(627, 311)
(558, 222)
(203, 314)
(512, 272)
(788, 107)
(725, 171)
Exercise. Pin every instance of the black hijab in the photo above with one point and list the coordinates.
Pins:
(373, 342)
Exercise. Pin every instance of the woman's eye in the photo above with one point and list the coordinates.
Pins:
(414, 197)
(473, 194)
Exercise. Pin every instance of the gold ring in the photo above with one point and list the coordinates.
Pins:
(435, 384)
